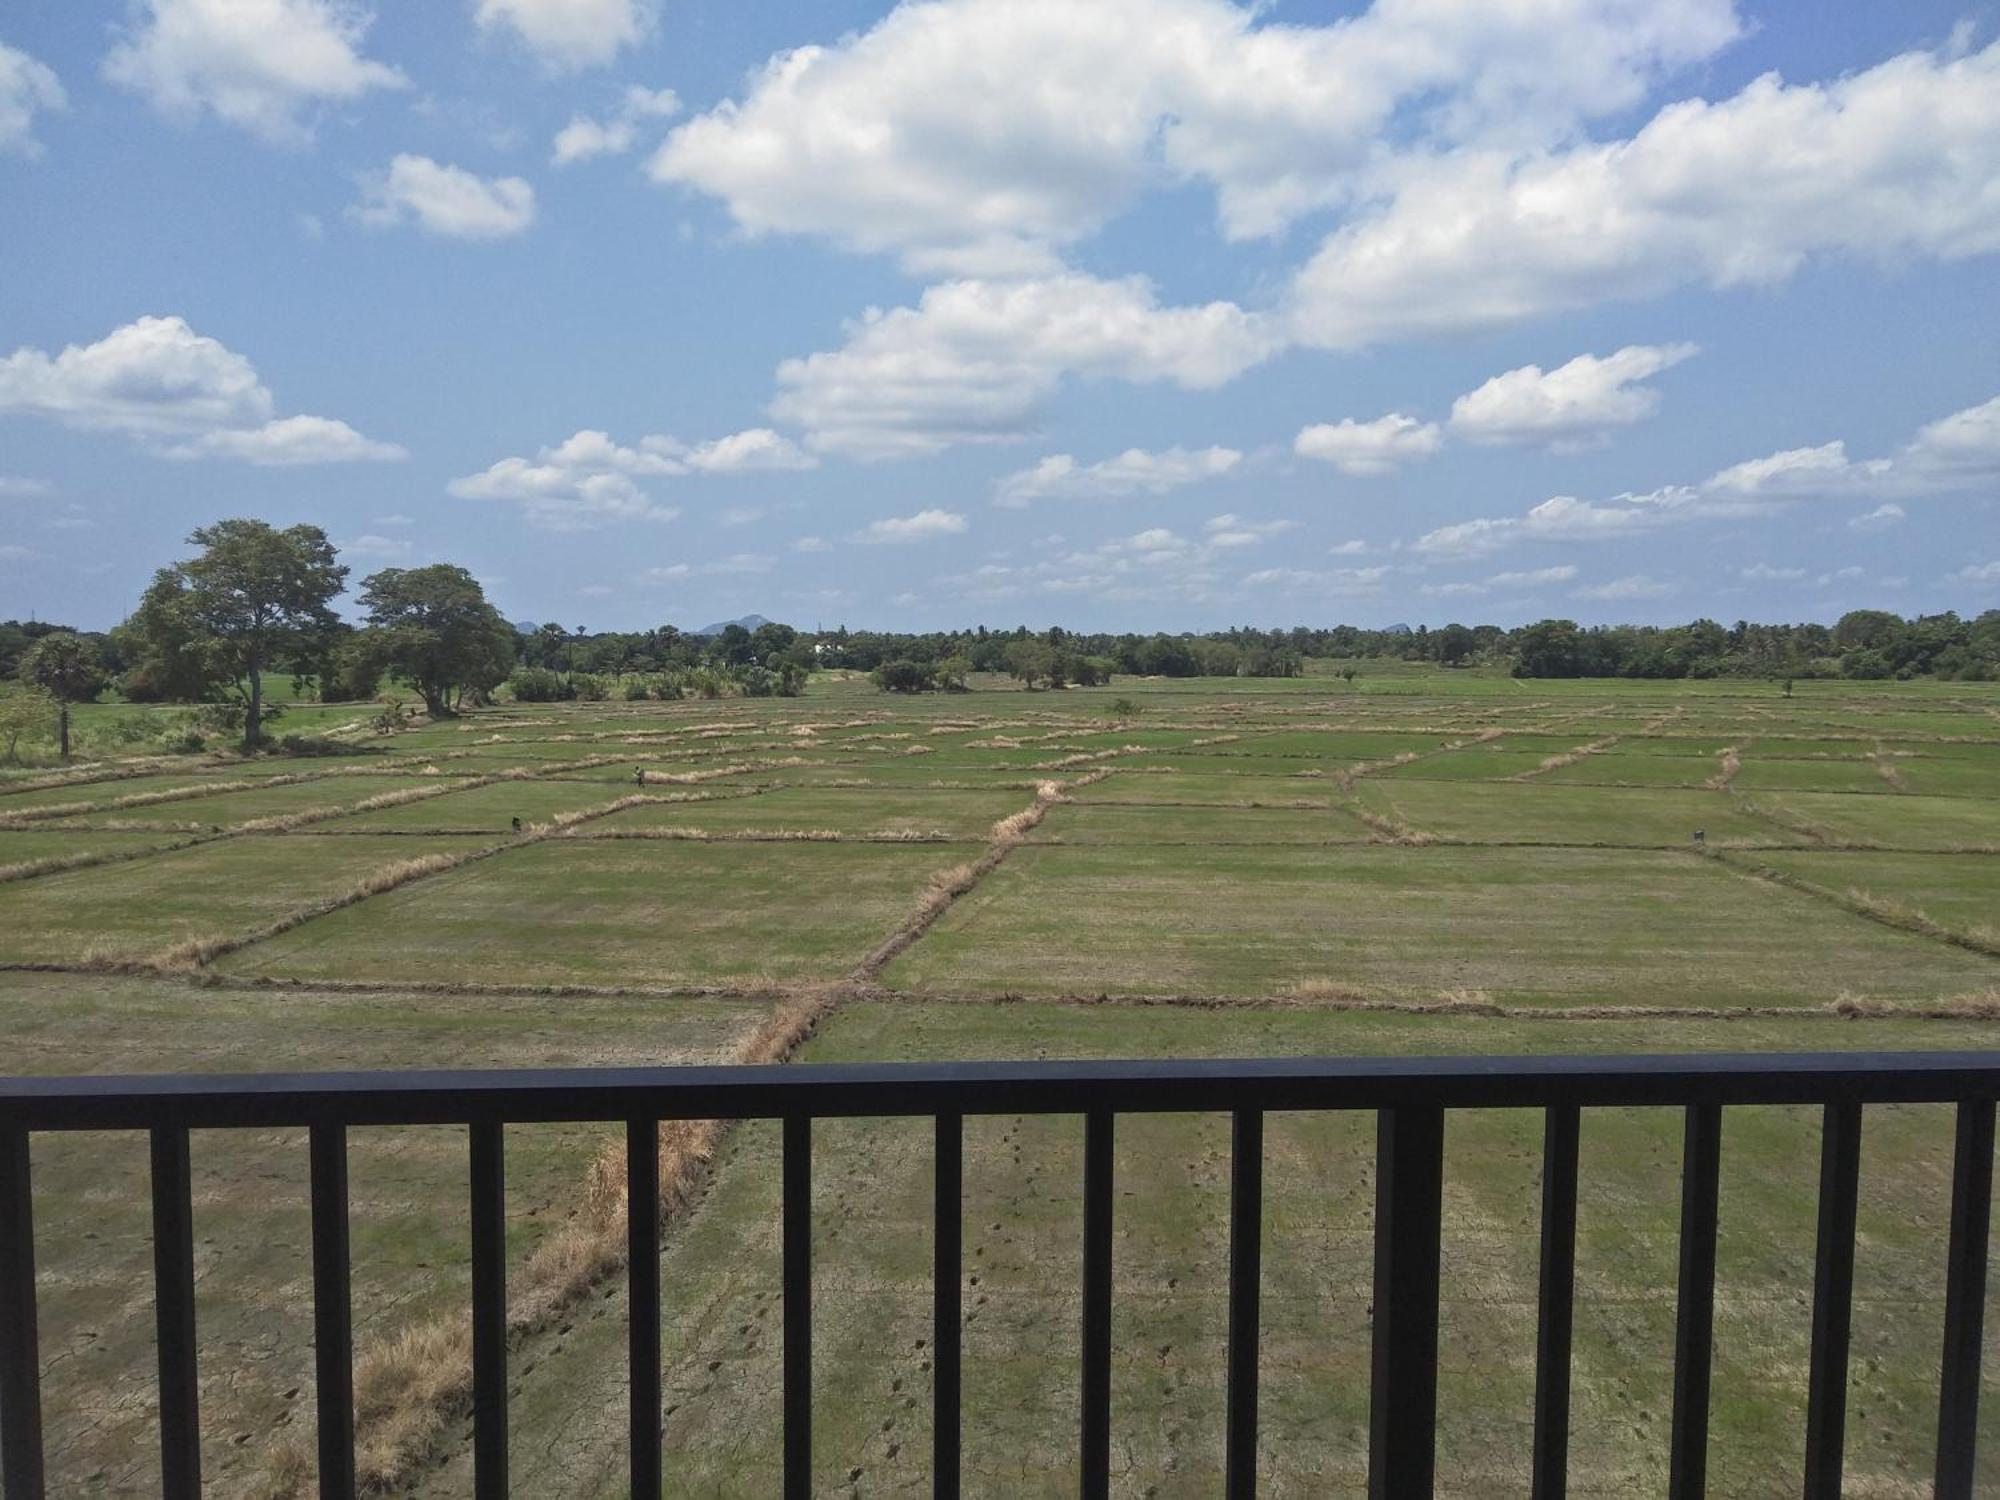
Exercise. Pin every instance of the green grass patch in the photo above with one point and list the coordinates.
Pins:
(1536, 813)
(1575, 927)
(637, 912)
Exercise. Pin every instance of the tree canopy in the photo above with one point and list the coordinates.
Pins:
(433, 626)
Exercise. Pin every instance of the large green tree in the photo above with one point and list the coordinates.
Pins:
(261, 598)
(433, 626)
(66, 667)
(169, 657)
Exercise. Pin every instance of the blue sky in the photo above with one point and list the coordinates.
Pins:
(1136, 314)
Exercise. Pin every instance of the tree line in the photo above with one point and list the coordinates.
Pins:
(256, 600)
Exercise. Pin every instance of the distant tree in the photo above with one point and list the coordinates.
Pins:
(904, 676)
(433, 626)
(24, 714)
(262, 598)
(952, 672)
(67, 668)
(169, 657)
(1030, 662)
(1454, 644)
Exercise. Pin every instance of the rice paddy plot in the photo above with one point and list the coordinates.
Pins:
(618, 912)
(1537, 813)
(408, 1224)
(1117, 825)
(1168, 786)
(481, 809)
(871, 1233)
(231, 809)
(1906, 822)
(1568, 926)
(1959, 892)
(852, 812)
(23, 849)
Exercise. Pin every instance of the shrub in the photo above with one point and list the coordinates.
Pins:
(904, 676)
(588, 688)
(539, 685)
(312, 744)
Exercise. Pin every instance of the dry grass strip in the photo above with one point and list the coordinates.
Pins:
(1729, 761)
(1887, 910)
(411, 1387)
(1568, 758)
(1886, 769)
(56, 864)
(1390, 828)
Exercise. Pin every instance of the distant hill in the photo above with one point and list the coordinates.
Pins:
(748, 622)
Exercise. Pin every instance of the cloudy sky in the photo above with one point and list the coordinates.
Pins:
(1112, 313)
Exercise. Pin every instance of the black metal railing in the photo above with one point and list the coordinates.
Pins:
(1410, 1096)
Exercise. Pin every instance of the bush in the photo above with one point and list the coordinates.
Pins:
(587, 688)
(637, 690)
(539, 685)
(904, 676)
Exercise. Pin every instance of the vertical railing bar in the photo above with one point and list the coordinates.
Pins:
(1833, 1299)
(173, 1289)
(947, 1266)
(21, 1472)
(1095, 1393)
(1409, 1188)
(1246, 1269)
(333, 1312)
(1965, 1300)
(798, 1307)
(1694, 1335)
(1561, 1128)
(487, 1173)
(642, 1260)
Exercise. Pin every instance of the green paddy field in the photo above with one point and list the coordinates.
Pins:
(1414, 862)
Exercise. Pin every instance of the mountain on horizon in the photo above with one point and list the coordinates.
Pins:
(748, 622)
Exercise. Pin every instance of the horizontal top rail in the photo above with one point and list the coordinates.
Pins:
(420, 1097)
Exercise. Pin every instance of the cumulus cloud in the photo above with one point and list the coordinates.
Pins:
(1346, 583)
(1765, 573)
(567, 36)
(373, 547)
(1895, 162)
(1632, 586)
(1573, 406)
(1133, 472)
(921, 527)
(19, 487)
(158, 380)
(588, 480)
(975, 360)
(586, 137)
(1977, 573)
(754, 450)
(445, 200)
(918, 138)
(1881, 518)
(26, 87)
(261, 65)
(1954, 454)
(1533, 578)
(1370, 449)
(290, 442)
(1231, 530)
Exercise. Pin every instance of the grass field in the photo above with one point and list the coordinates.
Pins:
(1412, 862)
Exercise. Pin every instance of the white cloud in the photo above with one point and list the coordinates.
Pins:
(290, 442)
(1453, 590)
(981, 137)
(1135, 471)
(14, 552)
(582, 482)
(754, 450)
(812, 544)
(26, 86)
(257, 64)
(1765, 573)
(1954, 454)
(1632, 586)
(396, 519)
(158, 380)
(373, 547)
(587, 479)
(975, 360)
(445, 200)
(1352, 547)
(1370, 449)
(567, 36)
(1881, 518)
(1977, 573)
(1341, 582)
(922, 526)
(1896, 162)
(585, 137)
(19, 487)
(1533, 578)
(1230, 530)
(1570, 407)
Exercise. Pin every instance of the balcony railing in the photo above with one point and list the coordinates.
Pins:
(1410, 1096)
